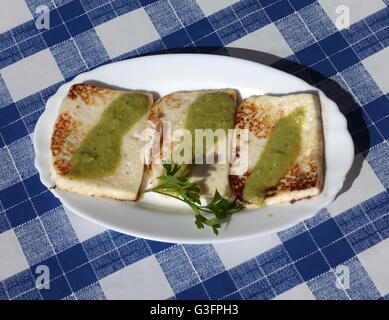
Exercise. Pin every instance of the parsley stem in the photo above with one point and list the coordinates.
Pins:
(169, 195)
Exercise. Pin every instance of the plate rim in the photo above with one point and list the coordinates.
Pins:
(57, 97)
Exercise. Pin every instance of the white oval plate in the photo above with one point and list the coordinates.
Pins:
(167, 220)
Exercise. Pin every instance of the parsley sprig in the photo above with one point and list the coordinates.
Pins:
(176, 186)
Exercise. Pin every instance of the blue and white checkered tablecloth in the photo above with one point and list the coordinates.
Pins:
(341, 253)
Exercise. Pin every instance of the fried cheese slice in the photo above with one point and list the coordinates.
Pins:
(260, 116)
(95, 144)
(173, 110)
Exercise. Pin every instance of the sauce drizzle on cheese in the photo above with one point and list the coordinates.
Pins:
(211, 111)
(280, 153)
(99, 153)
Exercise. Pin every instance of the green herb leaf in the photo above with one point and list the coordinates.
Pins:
(178, 187)
(172, 180)
(171, 168)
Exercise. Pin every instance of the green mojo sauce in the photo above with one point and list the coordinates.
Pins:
(215, 110)
(278, 156)
(99, 153)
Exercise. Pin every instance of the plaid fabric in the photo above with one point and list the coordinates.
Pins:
(341, 253)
